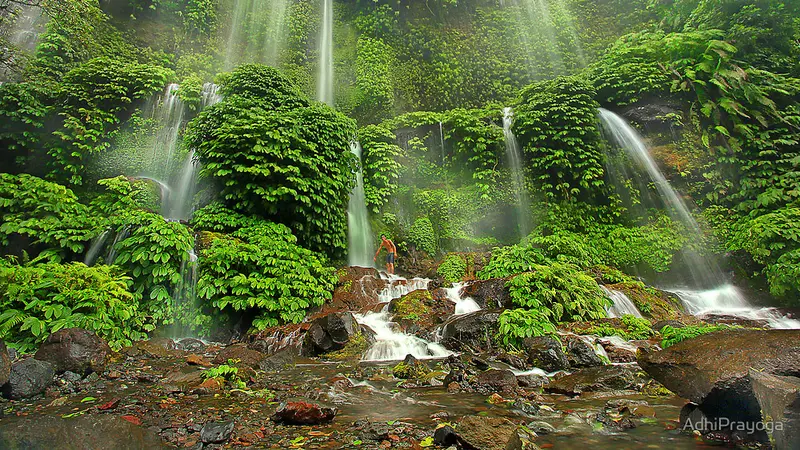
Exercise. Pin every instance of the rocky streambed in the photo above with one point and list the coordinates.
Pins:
(306, 386)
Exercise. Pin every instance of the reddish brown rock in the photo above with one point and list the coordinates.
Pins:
(242, 354)
(75, 350)
(303, 413)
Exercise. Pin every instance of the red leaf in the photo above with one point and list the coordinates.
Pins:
(109, 405)
(133, 419)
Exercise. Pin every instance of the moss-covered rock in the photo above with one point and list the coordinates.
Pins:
(651, 302)
(354, 348)
(411, 369)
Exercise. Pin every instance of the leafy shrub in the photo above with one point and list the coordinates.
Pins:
(227, 373)
(422, 236)
(47, 213)
(518, 324)
(37, 300)
(262, 269)
(381, 168)
(453, 268)
(671, 336)
(634, 329)
(560, 291)
(279, 157)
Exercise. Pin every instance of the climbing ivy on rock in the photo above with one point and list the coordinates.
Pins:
(278, 156)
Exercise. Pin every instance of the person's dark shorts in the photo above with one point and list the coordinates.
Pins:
(390, 258)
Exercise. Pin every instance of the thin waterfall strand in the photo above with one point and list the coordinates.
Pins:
(325, 77)
(359, 232)
(514, 154)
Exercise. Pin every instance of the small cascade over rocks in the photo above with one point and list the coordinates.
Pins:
(97, 246)
(622, 304)
(391, 344)
(728, 301)
(168, 113)
(464, 305)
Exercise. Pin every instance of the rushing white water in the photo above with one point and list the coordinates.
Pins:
(359, 233)
(463, 305)
(97, 246)
(391, 343)
(514, 155)
(704, 271)
(168, 114)
(622, 304)
(441, 140)
(184, 298)
(728, 301)
(119, 237)
(325, 76)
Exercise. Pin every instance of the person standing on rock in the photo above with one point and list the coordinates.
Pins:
(391, 251)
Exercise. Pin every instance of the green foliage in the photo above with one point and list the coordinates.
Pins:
(226, 372)
(453, 268)
(37, 300)
(415, 371)
(374, 97)
(262, 269)
(48, 214)
(518, 324)
(278, 157)
(773, 240)
(422, 236)
(671, 336)
(557, 126)
(380, 164)
(634, 329)
(560, 291)
(191, 92)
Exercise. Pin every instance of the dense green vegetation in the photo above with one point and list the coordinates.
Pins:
(714, 85)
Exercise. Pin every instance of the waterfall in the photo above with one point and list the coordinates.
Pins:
(391, 344)
(514, 154)
(97, 246)
(168, 114)
(257, 32)
(463, 305)
(359, 234)
(726, 300)
(184, 297)
(210, 95)
(441, 140)
(120, 236)
(325, 77)
(705, 271)
(622, 304)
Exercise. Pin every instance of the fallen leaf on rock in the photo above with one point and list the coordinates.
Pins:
(132, 419)
(109, 405)
(60, 401)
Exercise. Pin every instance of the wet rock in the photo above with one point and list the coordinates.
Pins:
(5, 363)
(580, 354)
(71, 377)
(662, 323)
(247, 356)
(275, 339)
(154, 348)
(479, 363)
(278, 361)
(713, 370)
(191, 345)
(546, 353)
(779, 398)
(575, 425)
(303, 413)
(521, 439)
(357, 288)
(27, 378)
(330, 333)
(633, 408)
(457, 375)
(216, 432)
(489, 294)
(653, 114)
(532, 381)
(410, 369)
(525, 407)
(471, 332)
(486, 433)
(616, 353)
(374, 431)
(445, 436)
(84, 432)
(494, 380)
(614, 423)
(179, 381)
(595, 379)
(197, 360)
(514, 360)
(541, 428)
(421, 309)
(74, 349)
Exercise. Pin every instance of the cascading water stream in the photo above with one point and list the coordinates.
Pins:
(464, 305)
(359, 233)
(441, 140)
(210, 95)
(391, 344)
(257, 32)
(514, 155)
(97, 246)
(325, 76)
(622, 304)
(168, 114)
(184, 296)
(716, 296)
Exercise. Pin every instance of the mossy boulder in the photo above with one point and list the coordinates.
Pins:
(421, 309)
(411, 369)
(355, 347)
(651, 302)
(357, 289)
